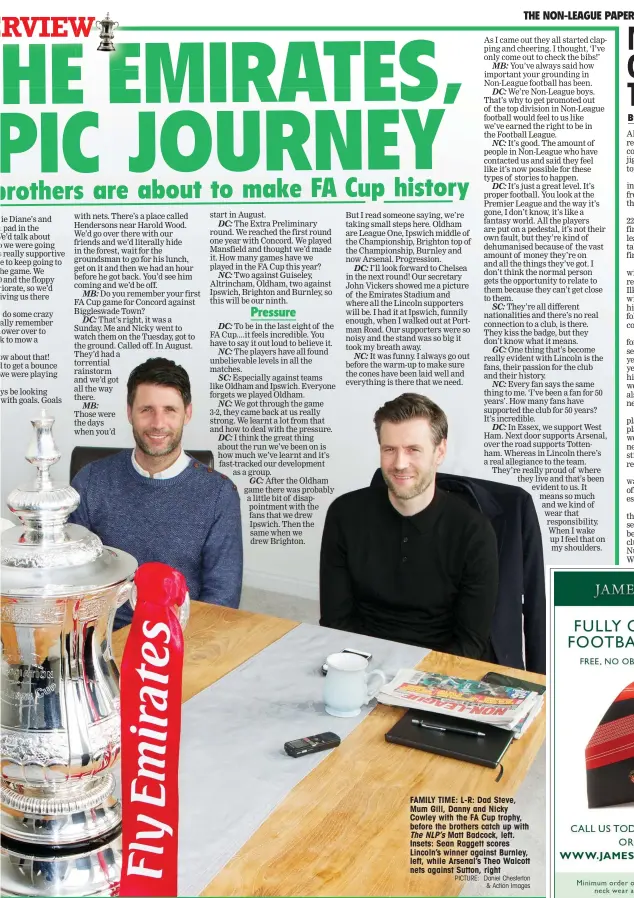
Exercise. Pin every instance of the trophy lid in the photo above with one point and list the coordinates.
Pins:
(47, 556)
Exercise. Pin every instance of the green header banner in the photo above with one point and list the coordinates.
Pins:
(610, 587)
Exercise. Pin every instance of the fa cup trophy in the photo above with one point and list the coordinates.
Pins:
(60, 589)
(107, 33)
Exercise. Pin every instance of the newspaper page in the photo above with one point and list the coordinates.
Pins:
(592, 784)
(500, 706)
(188, 183)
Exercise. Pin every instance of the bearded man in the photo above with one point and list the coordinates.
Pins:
(159, 504)
(409, 562)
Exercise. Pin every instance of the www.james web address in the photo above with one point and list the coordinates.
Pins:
(597, 855)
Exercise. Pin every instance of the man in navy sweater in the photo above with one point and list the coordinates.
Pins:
(156, 502)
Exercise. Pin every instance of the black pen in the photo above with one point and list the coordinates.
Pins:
(447, 729)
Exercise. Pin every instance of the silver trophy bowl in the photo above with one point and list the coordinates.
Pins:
(60, 737)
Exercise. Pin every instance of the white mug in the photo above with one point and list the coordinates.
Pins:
(347, 685)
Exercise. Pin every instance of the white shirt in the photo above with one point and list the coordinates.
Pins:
(177, 467)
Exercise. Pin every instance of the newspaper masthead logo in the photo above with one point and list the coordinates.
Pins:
(46, 26)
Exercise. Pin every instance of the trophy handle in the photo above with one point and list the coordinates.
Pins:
(127, 591)
(183, 612)
(115, 25)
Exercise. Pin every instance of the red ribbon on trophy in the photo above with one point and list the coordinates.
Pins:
(151, 680)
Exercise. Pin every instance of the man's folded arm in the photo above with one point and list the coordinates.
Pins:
(221, 563)
(475, 604)
(336, 597)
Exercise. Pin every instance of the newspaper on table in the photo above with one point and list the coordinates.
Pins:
(503, 706)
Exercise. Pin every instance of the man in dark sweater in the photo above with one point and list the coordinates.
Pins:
(409, 562)
(156, 502)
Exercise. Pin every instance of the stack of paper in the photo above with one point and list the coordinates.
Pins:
(503, 706)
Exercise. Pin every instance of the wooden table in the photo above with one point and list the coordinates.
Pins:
(344, 829)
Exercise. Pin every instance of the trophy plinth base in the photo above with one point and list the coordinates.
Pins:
(88, 869)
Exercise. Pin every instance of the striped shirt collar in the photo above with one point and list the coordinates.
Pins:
(177, 467)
